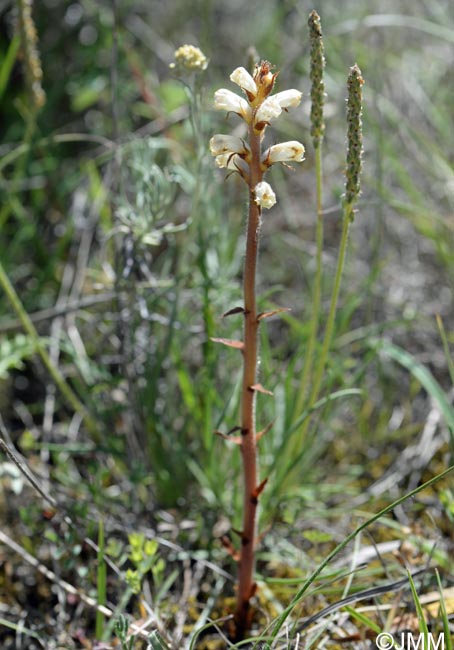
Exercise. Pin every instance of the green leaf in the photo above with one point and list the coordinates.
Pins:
(136, 540)
(157, 642)
(150, 547)
(172, 95)
(14, 351)
(8, 63)
(317, 536)
(84, 97)
(444, 615)
(133, 580)
(421, 373)
(421, 618)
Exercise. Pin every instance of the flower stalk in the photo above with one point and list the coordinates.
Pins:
(352, 191)
(248, 397)
(245, 157)
(317, 131)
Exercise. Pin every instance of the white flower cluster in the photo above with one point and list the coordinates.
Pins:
(189, 58)
(257, 110)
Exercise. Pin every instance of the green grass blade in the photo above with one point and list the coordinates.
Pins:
(297, 598)
(444, 615)
(286, 461)
(421, 618)
(421, 373)
(8, 64)
(157, 642)
(362, 618)
(101, 582)
(20, 629)
(447, 351)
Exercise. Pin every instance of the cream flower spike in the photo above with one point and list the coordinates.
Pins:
(264, 195)
(259, 109)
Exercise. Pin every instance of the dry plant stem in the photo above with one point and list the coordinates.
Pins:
(248, 398)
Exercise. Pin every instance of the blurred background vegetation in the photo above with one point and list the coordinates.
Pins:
(125, 246)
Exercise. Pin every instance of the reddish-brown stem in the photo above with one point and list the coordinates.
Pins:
(248, 428)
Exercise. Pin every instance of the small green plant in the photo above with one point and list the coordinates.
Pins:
(121, 629)
(143, 554)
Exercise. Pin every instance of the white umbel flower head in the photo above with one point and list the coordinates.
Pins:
(283, 152)
(221, 144)
(264, 195)
(226, 100)
(242, 78)
(190, 59)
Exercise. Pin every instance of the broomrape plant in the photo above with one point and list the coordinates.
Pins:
(245, 156)
(258, 108)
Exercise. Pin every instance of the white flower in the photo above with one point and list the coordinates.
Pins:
(285, 151)
(225, 100)
(269, 110)
(234, 162)
(264, 195)
(272, 106)
(221, 144)
(289, 98)
(242, 78)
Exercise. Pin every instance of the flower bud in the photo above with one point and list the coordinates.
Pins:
(264, 195)
(242, 78)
